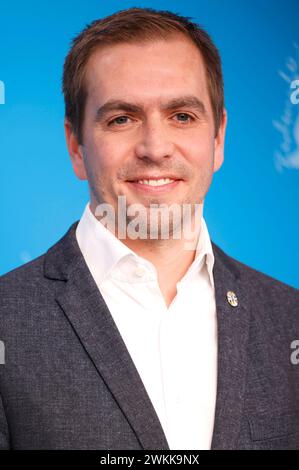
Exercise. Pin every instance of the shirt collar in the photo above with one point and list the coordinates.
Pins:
(103, 251)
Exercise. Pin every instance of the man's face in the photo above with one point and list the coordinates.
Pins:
(159, 123)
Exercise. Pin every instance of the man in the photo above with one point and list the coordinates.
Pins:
(118, 341)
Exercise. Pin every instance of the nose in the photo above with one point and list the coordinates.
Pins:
(154, 142)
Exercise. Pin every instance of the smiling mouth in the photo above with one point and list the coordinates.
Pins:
(154, 181)
(154, 185)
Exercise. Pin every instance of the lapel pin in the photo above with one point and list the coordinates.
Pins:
(232, 298)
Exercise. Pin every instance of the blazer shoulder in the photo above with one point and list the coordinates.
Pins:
(32, 274)
(22, 285)
(256, 280)
(27, 272)
(274, 304)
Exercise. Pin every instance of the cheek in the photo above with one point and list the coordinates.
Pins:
(198, 150)
(108, 153)
(200, 157)
(97, 159)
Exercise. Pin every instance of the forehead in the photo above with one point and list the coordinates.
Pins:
(146, 69)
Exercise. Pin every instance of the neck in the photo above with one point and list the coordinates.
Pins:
(171, 257)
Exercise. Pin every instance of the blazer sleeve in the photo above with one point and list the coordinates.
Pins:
(4, 432)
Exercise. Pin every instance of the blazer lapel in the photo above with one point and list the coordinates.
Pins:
(81, 301)
(233, 332)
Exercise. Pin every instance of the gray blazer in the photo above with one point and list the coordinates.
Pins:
(68, 381)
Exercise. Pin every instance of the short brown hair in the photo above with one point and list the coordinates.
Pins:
(132, 25)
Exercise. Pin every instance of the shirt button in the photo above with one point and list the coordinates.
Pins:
(140, 271)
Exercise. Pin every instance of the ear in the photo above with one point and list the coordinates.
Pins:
(219, 143)
(75, 151)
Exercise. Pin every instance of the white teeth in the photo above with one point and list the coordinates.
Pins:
(156, 182)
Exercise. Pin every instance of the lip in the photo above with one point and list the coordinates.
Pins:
(148, 189)
(152, 177)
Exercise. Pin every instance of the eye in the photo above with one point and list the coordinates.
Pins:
(184, 117)
(118, 120)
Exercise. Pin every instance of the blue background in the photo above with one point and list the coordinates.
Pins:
(252, 206)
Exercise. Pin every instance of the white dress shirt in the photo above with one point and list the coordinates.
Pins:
(174, 349)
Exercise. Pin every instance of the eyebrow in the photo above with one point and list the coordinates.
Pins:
(188, 101)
